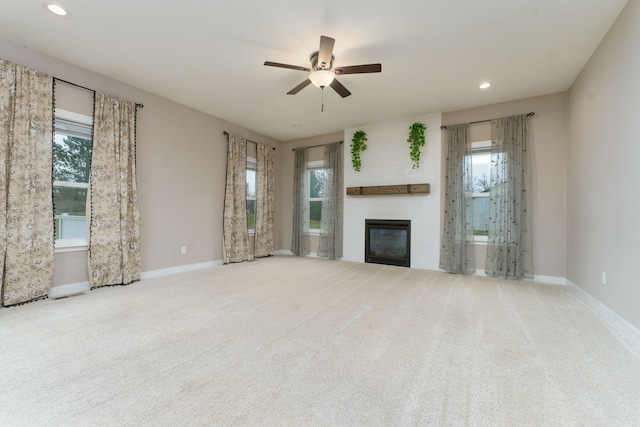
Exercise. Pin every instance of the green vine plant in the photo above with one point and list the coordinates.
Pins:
(357, 146)
(416, 141)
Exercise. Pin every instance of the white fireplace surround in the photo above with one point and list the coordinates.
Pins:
(386, 162)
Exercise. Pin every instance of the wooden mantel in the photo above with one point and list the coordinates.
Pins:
(388, 189)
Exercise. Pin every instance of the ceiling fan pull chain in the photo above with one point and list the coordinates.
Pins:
(322, 109)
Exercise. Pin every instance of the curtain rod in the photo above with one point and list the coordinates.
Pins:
(86, 88)
(531, 114)
(248, 140)
(319, 145)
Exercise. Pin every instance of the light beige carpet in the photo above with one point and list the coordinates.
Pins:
(287, 341)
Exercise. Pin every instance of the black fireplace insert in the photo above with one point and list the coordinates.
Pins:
(388, 241)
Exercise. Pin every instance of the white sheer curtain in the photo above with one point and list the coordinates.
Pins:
(510, 245)
(235, 230)
(331, 217)
(26, 208)
(457, 253)
(114, 223)
(299, 237)
(265, 193)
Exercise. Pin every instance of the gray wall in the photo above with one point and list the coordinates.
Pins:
(181, 159)
(550, 177)
(603, 182)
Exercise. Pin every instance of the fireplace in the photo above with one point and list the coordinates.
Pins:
(388, 242)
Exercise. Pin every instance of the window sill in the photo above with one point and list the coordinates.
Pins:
(480, 240)
(71, 245)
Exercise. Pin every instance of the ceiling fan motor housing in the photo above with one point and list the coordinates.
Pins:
(314, 62)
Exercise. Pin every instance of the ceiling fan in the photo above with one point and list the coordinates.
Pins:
(322, 73)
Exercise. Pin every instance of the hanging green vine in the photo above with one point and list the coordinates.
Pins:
(357, 146)
(416, 141)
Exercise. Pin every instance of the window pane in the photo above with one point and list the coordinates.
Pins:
(71, 158)
(251, 183)
(317, 179)
(481, 172)
(315, 212)
(70, 200)
(481, 216)
(70, 212)
(251, 214)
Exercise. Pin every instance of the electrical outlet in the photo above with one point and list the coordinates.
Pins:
(183, 250)
(603, 278)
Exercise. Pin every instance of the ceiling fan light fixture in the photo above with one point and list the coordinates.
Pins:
(322, 78)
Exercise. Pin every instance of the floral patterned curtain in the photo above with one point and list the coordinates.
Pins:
(330, 245)
(299, 238)
(114, 224)
(235, 228)
(26, 208)
(265, 193)
(457, 249)
(510, 246)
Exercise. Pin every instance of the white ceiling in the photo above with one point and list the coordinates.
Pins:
(209, 54)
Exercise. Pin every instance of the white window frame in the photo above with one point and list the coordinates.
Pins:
(312, 165)
(252, 164)
(79, 244)
(480, 147)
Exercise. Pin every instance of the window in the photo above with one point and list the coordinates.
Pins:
(481, 164)
(71, 168)
(317, 181)
(251, 195)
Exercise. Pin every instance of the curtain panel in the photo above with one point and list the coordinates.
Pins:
(265, 201)
(457, 254)
(235, 228)
(510, 245)
(331, 214)
(114, 223)
(26, 207)
(299, 238)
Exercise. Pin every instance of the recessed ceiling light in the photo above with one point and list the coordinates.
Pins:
(296, 125)
(56, 9)
(485, 85)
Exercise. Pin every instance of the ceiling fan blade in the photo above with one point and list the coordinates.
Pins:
(299, 87)
(291, 67)
(359, 69)
(325, 52)
(338, 87)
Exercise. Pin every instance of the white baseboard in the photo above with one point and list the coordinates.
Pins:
(179, 269)
(550, 279)
(617, 323)
(66, 290)
(536, 278)
(79, 288)
(283, 252)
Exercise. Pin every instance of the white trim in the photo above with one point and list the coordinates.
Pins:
(70, 245)
(73, 117)
(179, 269)
(315, 164)
(70, 184)
(67, 290)
(283, 252)
(624, 329)
(550, 279)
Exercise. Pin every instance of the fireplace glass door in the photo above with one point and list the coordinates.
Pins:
(388, 242)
